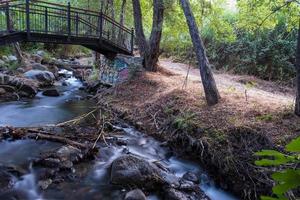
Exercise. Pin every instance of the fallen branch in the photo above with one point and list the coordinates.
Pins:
(57, 139)
(78, 119)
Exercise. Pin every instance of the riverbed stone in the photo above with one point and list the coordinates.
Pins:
(14, 194)
(136, 194)
(2, 63)
(41, 53)
(6, 180)
(51, 93)
(12, 58)
(21, 85)
(2, 91)
(8, 88)
(129, 170)
(5, 59)
(38, 66)
(21, 70)
(175, 194)
(44, 184)
(190, 176)
(36, 58)
(46, 78)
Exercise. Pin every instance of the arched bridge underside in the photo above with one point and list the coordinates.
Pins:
(39, 21)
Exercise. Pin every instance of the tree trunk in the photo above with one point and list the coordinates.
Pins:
(123, 11)
(149, 50)
(18, 52)
(208, 81)
(297, 106)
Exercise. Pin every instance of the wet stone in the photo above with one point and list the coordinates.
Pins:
(44, 184)
(6, 180)
(51, 93)
(174, 194)
(190, 176)
(130, 170)
(136, 194)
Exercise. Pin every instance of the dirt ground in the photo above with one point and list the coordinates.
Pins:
(246, 101)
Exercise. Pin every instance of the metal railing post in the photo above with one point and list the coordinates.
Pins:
(76, 24)
(101, 27)
(46, 20)
(69, 20)
(132, 40)
(7, 18)
(28, 18)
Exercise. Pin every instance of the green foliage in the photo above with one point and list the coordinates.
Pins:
(5, 50)
(288, 178)
(94, 75)
(256, 39)
(185, 121)
(266, 118)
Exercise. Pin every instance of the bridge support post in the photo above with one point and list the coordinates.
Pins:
(76, 24)
(132, 40)
(8, 27)
(100, 27)
(46, 20)
(69, 21)
(28, 18)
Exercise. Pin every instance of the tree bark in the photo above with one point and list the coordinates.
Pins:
(18, 52)
(149, 49)
(297, 106)
(210, 89)
(122, 13)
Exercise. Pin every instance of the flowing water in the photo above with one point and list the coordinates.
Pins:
(44, 110)
(91, 179)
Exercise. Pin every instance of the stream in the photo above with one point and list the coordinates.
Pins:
(91, 180)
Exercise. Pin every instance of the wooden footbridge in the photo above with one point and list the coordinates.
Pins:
(39, 21)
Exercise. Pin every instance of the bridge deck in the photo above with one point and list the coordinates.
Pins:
(38, 21)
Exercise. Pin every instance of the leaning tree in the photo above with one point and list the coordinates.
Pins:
(208, 81)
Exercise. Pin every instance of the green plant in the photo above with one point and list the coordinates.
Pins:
(266, 118)
(94, 75)
(185, 121)
(288, 178)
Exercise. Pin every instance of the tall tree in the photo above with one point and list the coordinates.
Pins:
(297, 106)
(149, 49)
(208, 81)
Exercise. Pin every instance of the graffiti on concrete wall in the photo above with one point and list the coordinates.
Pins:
(114, 71)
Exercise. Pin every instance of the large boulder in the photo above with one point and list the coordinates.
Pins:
(24, 87)
(12, 58)
(2, 63)
(5, 59)
(51, 93)
(62, 158)
(37, 58)
(41, 53)
(175, 194)
(38, 66)
(6, 181)
(2, 91)
(136, 194)
(46, 78)
(130, 170)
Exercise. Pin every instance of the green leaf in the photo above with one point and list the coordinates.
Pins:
(294, 145)
(272, 198)
(278, 158)
(286, 180)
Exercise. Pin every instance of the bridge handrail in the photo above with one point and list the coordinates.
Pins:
(71, 17)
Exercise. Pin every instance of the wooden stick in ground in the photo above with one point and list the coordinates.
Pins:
(58, 139)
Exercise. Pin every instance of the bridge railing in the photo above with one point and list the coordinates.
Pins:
(48, 18)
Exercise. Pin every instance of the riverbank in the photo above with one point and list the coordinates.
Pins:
(223, 138)
(92, 156)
